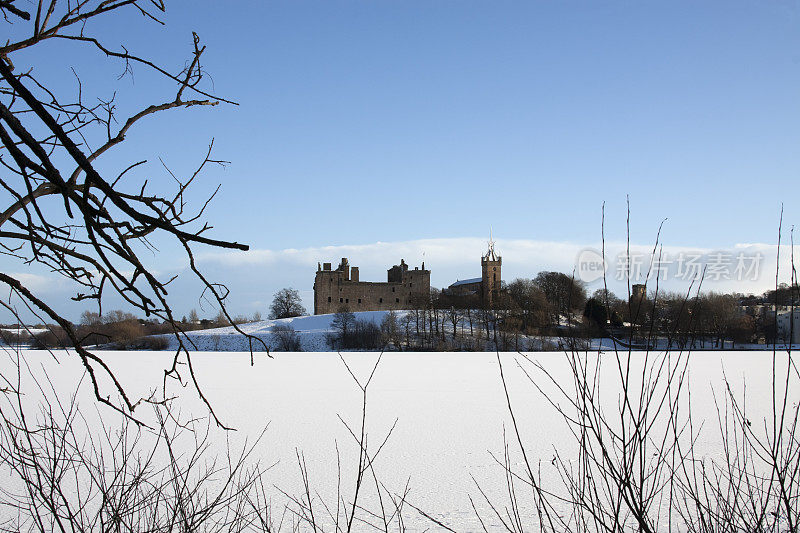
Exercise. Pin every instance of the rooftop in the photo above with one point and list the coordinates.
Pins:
(466, 282)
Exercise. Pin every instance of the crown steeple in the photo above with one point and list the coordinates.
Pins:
(490, 255)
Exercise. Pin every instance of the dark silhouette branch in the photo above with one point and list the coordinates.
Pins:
(63, 213)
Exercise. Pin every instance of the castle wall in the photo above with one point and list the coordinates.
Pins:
(336, 288)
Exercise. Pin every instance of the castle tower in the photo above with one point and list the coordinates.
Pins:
(491, 278)
(638, 292)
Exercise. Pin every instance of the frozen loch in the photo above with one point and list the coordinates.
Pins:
(447, 414)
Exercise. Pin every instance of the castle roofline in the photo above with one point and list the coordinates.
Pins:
(466, 282)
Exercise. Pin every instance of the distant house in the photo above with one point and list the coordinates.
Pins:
(788, 323)
(465, 287)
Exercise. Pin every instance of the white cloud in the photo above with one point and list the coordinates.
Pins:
(37, 283)
(445, 257)
(255, 276)
(459, 258)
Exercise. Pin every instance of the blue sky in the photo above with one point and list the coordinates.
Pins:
(365, 121)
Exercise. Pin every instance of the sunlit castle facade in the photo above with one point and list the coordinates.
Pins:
(342, 288)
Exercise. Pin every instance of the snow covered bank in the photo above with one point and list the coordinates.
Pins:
(310, 329)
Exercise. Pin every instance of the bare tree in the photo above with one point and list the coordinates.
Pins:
(60, 210)
(564, 293)
(364, 502)
(286, 304)
(61, 472)
(722, 311)
(390, 330)
(531, 302)
(343, 321)
(454, 317)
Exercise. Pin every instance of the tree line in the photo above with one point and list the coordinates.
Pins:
(116, 330)
(554, 310)
(529, 313)
(122, 330)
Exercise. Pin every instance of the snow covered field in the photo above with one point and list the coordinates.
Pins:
(310, 329)
(449, 409)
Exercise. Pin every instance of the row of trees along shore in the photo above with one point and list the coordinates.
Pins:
(541, 313)
(115, 329)
(529, 314)
(123, 330)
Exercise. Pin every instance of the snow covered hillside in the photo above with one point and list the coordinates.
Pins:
(310, 329)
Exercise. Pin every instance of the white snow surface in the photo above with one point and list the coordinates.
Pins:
(310, 329)
(448, 411)
(25, 331)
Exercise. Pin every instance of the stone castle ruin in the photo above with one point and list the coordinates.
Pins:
(334, 289)
(340, 288)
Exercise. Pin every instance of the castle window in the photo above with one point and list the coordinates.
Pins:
(359, 300)
(341, 300)
(495, 268)
(392, 289)
(397, 300)
(380, 300)
(347, 300)
(494, 277)
(329, 299)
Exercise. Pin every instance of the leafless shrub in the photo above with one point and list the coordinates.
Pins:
(351, 333)
(54, 337)
(151, 343)
(637, 466)
(13, 338)
(60, 473)
(286, 339)
(388, 509)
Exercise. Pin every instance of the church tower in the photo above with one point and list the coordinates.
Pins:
(490, 275)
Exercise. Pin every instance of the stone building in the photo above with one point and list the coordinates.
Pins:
(486, 287)
(342, 287)
(491, 278)
(788, 323)
(638, 292)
